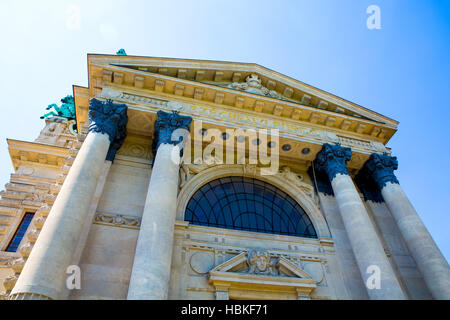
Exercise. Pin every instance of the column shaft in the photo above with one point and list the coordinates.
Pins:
(374, 266)
(429, 259)
(45, 270)
(150, 275)
(364, 240)
(153, 257)
(44, 273)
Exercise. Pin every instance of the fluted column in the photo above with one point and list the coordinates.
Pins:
(44, 273)
(153, 257)
(365, 244)
(428, 257)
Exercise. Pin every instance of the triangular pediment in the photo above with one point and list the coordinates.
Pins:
(225, 73)
(245, 86)
(260, 271)
(260, 262)
(253, 83)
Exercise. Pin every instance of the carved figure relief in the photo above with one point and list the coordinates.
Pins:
(259, 262)
(287, 174)
(253, 84)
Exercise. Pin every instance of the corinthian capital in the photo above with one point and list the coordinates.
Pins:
(381, 167)
(170, 128)
(109, 118)
(332, 160)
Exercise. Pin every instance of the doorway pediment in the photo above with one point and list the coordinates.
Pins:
(256, 274)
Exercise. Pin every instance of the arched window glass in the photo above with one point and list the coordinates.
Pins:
(248, 204)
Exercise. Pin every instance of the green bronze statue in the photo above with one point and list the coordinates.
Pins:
(67, 109)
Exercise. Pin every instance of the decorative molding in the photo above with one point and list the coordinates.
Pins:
(117, 220)
(297, 179)
(111, 119)
(332, 160)
(241, 119)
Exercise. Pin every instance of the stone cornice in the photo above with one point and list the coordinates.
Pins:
(47, 155)
(103, 75)
(220, 66)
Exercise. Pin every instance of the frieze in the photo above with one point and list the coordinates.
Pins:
(239, 118)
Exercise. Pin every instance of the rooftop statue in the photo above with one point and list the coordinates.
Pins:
(67, 109)
(121, 52)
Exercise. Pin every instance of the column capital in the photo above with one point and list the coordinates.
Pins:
(109, 118)
(165, 128)
(381, 168)
(332, 160)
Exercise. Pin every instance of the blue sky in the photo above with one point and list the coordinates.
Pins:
(401, 70)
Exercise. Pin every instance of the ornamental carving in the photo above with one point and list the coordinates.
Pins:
(287, 174)
(259, 262)
(253, 85)
(332, 159)
(117, 220)
(242, 118)
(111, 119)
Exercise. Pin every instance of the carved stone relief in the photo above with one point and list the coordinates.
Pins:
(253, 85)
(117, 220)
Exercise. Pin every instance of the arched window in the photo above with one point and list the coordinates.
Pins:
(248, 204)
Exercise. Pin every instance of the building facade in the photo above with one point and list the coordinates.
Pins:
(190, 179)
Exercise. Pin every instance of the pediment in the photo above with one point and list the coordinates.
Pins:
(225, 74)
(264, 86)
(260, 262)
(242, 87)
(259, 271)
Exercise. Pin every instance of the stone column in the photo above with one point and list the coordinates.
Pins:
(44, 273)
(150, 274)
(428, 257)
(364, 240)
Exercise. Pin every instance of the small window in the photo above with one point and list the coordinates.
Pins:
(20, 232)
